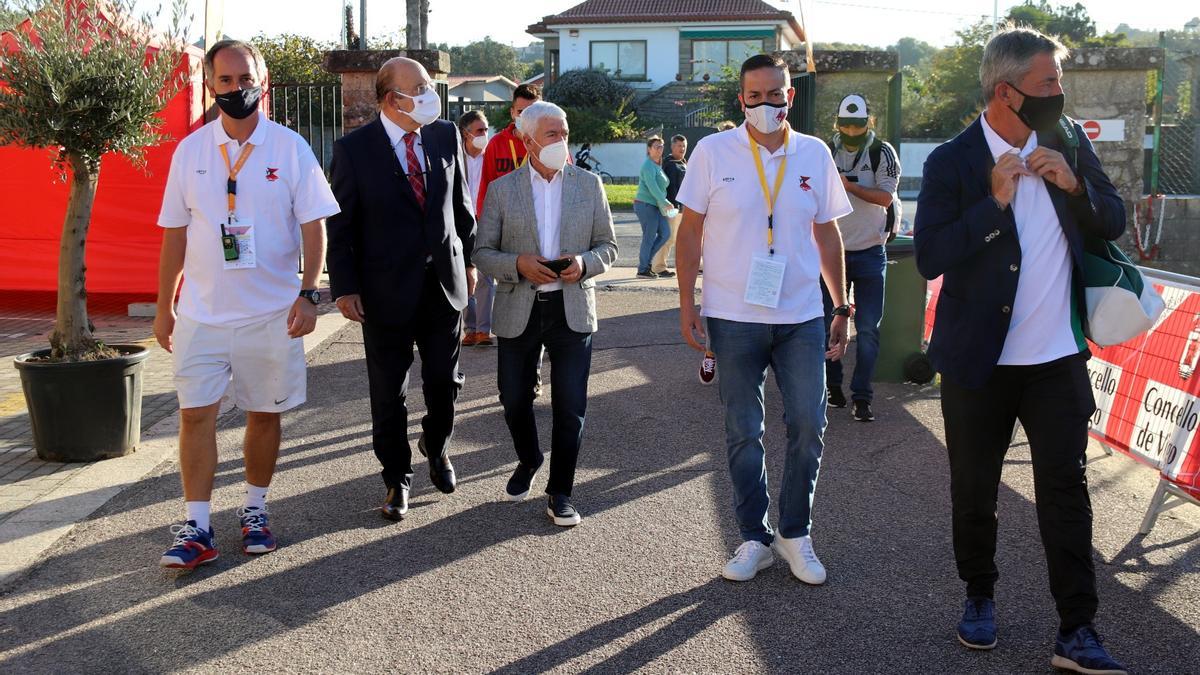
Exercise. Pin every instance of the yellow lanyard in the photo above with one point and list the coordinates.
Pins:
(513, 149)
(231, 185)
(768, 195)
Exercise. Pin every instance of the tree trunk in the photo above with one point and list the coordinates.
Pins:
(412, 31)
(424, 24)
(72, 337)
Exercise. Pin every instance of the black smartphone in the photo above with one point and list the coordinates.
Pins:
(557, 266)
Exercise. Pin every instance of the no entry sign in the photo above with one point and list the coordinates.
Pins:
(1104, 130)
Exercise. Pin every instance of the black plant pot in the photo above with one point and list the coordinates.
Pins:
(82, 412)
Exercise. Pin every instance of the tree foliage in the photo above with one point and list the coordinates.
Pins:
(87, 79)
(597, 106)
(912, 51)
(294, 59)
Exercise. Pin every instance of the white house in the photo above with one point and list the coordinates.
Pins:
(652, 43)
(480, 88)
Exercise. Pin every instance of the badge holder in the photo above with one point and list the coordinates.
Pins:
(229, 244)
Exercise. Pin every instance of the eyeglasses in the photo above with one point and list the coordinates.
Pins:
(420, 89)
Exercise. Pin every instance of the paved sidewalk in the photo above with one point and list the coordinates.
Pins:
(470, 583)
(25, 479)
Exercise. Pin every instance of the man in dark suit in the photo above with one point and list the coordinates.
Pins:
(399, 264)
(1002, 217)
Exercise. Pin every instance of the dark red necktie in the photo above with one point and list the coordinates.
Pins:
(415, 177)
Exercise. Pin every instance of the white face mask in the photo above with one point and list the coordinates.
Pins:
(427, 107)
(554, 156)
(480, 142)
(767, 117)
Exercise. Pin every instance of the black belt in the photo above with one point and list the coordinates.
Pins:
(547, 296)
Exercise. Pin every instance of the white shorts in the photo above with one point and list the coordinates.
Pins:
(265, 364)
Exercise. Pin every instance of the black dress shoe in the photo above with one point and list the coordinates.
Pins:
(441, 474)
(396, 504)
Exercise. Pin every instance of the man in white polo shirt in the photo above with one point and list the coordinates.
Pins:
(243, 194)
(761, 203)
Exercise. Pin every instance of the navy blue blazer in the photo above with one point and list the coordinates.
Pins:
(962, 236)
(379, 242)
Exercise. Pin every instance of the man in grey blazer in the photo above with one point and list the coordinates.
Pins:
(544, 234)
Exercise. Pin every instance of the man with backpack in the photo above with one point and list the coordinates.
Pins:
(870, 171)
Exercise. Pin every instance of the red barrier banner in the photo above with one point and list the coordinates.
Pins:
(1147, 390)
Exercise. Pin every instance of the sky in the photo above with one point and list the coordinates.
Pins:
(872, 22)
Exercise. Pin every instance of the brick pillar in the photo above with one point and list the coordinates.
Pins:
(358, 68)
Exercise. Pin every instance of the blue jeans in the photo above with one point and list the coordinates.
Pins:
(518, 360)
(794, 352)
(656, 230)
(479, 306)
(865, 274)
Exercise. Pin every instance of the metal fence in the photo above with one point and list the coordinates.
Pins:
(495, 111)
(1173, 160)
(312, 110)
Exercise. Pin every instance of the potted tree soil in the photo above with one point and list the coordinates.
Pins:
(82, 79)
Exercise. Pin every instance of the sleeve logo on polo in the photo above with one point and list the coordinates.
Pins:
(272, 174)
(804, 183)
(728, 179)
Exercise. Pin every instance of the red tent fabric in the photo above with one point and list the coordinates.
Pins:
(123, 240)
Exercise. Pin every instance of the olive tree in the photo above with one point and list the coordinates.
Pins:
(86, 78)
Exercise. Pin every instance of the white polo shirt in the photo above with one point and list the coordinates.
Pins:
(722, 183)
(280, 186)
(1040, 329)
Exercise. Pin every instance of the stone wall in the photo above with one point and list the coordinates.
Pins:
(358, 69)
(1110, 83)
(847, 72)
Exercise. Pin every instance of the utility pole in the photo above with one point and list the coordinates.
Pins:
(362, 24)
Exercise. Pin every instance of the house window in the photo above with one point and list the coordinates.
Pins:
(709, 56)
(624, 60)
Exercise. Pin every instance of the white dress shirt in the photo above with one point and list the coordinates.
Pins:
(547, 208)
(396, 136)
(1040, 330)
(474, 174)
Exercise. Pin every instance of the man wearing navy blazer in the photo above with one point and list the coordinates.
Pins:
(399, 264)
(1002, 216)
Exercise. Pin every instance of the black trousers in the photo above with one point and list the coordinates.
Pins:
(436, 330)
(1053, 401)
(570, 364)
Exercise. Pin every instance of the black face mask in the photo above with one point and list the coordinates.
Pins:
(240, 103)
(1040, 113)
(854, 141)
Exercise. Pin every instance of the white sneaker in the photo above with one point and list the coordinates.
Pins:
(747, 561)
(801, 557)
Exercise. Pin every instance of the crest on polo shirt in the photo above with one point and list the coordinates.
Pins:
(804, 183)
(272, 174)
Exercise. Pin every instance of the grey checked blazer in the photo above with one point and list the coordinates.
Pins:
(508, 228)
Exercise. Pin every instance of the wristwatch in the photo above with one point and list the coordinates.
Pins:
(844, 310)
(313, 296)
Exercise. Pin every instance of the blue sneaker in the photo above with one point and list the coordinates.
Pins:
(192, 547)
(256, 536)
(1083, 651)
(977, 630)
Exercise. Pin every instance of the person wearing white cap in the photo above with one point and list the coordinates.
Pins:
(870, 172)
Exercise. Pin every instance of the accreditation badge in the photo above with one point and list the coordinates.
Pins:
(765, 283)
(243, 235)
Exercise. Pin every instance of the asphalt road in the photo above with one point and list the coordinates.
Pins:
(469, 583)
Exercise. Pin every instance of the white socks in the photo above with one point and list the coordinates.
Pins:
(199, 512)
(256, 497)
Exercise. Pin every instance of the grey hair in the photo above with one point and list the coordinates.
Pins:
(1008, 56)
(260, 66)
(529, 118)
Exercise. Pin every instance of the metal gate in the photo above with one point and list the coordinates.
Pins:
(312, 110)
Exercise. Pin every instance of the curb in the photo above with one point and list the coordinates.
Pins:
(28, 534)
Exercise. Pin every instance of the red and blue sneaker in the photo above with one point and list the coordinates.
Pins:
(256, 536)
(192, 547)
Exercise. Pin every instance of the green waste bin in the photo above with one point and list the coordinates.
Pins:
(903, 325)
